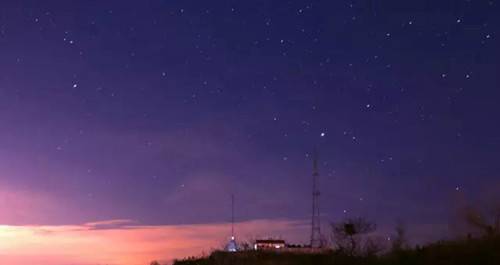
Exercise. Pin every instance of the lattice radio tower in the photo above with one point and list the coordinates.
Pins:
(316, 241)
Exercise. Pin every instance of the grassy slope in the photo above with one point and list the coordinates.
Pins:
(467, 252)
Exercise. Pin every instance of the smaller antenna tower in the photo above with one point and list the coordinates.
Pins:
(232, 216)
(231, 246)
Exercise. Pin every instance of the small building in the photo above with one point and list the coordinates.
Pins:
(269, 244)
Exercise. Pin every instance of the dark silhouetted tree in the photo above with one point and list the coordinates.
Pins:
(374, 245)
(488, 226)
(399, 240)
(347, 234)
(245, 245)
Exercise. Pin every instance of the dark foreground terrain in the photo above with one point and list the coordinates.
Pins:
(484, 251)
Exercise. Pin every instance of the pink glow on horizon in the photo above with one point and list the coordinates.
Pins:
(126, 244)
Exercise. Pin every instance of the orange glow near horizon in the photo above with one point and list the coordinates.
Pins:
(91, 244)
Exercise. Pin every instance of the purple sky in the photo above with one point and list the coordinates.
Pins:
(157, 111)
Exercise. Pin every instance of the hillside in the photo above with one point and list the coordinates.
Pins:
(484, 251)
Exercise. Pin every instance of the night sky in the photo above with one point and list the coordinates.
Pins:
(157, 111)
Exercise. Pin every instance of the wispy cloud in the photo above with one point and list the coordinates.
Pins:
(110, 224)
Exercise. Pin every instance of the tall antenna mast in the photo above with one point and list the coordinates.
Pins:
(315, 218)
